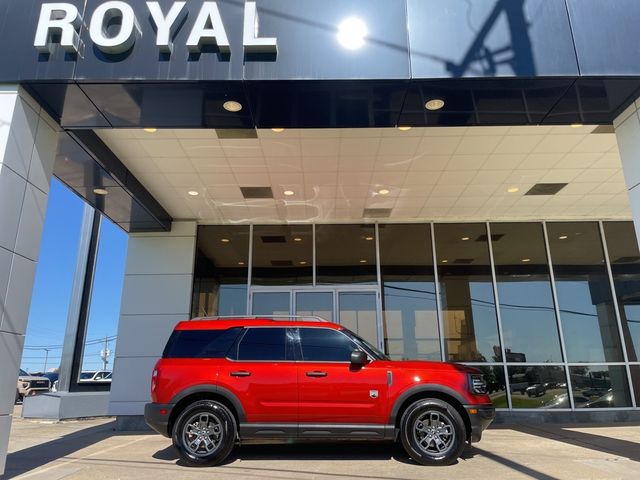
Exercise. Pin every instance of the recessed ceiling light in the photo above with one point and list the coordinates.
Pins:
(513, 189)
(363, 261)
(434, 104)
(100, 191)
(303, 263)
(576, 125)
(232, 106)
(526, 260)
(277, 130)
(151, 130)
(464, 239)
(404, 128)
(193, 193)
(289, 193)
(563, 237)
(240, 263)
(225, 240)
(383, 191)
(352, 33)
(445, 261)
(368, 239)
(297, 239)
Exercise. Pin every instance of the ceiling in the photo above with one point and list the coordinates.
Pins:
(440, 173)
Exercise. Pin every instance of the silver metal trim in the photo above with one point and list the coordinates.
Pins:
(379, 302)
(436, 281)
(250, 271)
(616, 307)
(261, 317)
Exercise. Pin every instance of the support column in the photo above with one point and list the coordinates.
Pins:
(156, 295)
(627, 127)
(28, 143)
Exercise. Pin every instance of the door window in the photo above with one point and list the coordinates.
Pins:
(265, 344)
(325, 345)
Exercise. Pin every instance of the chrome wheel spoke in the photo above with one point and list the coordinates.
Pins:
(434, 433)
(202, 434)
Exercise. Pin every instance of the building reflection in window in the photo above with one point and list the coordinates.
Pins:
(529, 326)
(600, 386)
(538, 387)
(624, 256)
(587, 312)
(410, 310)
(221, 271)
(496, 386)
(282, 255)
(466, 293)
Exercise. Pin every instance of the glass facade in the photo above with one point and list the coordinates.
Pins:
(550, 312)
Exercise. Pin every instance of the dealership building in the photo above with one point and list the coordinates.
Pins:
(453, 180)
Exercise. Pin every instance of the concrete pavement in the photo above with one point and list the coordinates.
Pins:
(91, 449)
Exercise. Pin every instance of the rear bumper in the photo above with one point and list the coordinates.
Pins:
(480, 420)
(156, 415)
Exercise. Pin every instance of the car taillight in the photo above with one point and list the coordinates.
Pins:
(477, 384)
(154, 377)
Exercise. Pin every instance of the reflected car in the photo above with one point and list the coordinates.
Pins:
(536, 390)
(102, 376)
(605, 401)
(30, 385)
(562, 401)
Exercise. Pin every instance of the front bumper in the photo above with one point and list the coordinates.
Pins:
(480, 417)
(157, 415)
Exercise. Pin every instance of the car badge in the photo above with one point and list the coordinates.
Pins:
(373, 393)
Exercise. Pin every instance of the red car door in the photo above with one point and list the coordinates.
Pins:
(262, 374)
(331, 390)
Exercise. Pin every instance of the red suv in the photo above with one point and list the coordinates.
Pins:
(229, 380)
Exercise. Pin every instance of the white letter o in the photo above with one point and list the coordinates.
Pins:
(125, 38)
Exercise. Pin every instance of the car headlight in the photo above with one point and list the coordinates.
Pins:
(477, 384)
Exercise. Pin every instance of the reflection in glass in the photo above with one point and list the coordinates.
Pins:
(624, 256)
(635, 380)
(282, 255)
(221, 271)
(466, 292)
(357, 311)
(538, 387)
(600, 386)
(410, 310)
(586, 306)
(271, 304)
(496, 386)
(315, 304)
(346, 254)
(529, 326)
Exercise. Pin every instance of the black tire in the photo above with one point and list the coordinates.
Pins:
(443, 431)
(220, 430)
(18, 396)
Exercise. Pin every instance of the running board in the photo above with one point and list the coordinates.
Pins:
(307, 431)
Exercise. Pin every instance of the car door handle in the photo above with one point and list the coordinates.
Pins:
(241, 373)
(316, 374)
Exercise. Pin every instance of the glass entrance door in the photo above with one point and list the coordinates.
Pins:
(356, 309)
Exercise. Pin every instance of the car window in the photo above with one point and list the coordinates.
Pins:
(23, 373)
(325, 345)
(200, 343)
(86, 375)
(264, 344)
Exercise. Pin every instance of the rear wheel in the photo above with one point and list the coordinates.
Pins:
(204, 433)
(433, 432)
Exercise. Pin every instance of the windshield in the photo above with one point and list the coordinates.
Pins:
(373, 351)
(23, 373)
(86, 375)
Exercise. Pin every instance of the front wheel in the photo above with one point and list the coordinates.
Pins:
(433, 432)
(204, 433)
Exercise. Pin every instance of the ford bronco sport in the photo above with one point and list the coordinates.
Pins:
(222, 381)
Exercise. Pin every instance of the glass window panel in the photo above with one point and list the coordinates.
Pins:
(527, 312)
(346, 254)
(282, 255)
(410, 310)
(496, 385)
(264, 344)
(466, 292)
(538, 387)
(600, 386)
(358, 313)
(315, 304)
(635, 380)
(624, 255)
(106, 292)
(200, 343)
(586, 306)
(271, 304)
(324, 345)
(221, 271)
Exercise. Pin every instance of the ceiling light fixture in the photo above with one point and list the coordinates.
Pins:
(151, 130)
(225, 240)
(445, 261)
(563, 237)
(193, 193)
(352, 33)
(383, 191)
(363, 261)
(368, 239)
(434, 104)
(404, 128)
(100, 191)
(297, 239)
(513, 189)
(289, 193)
(240, 263)
(232, 106)
(526, 260)
(277, 130)
(464, 239)
(303, 263)
(576, 125)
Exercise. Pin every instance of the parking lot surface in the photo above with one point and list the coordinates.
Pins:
(91, 449)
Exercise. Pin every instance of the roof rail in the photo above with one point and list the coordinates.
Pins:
(282, 318)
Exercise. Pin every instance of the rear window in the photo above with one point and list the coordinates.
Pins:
(200, 343)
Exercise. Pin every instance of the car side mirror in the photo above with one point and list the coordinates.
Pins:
(358, 358)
